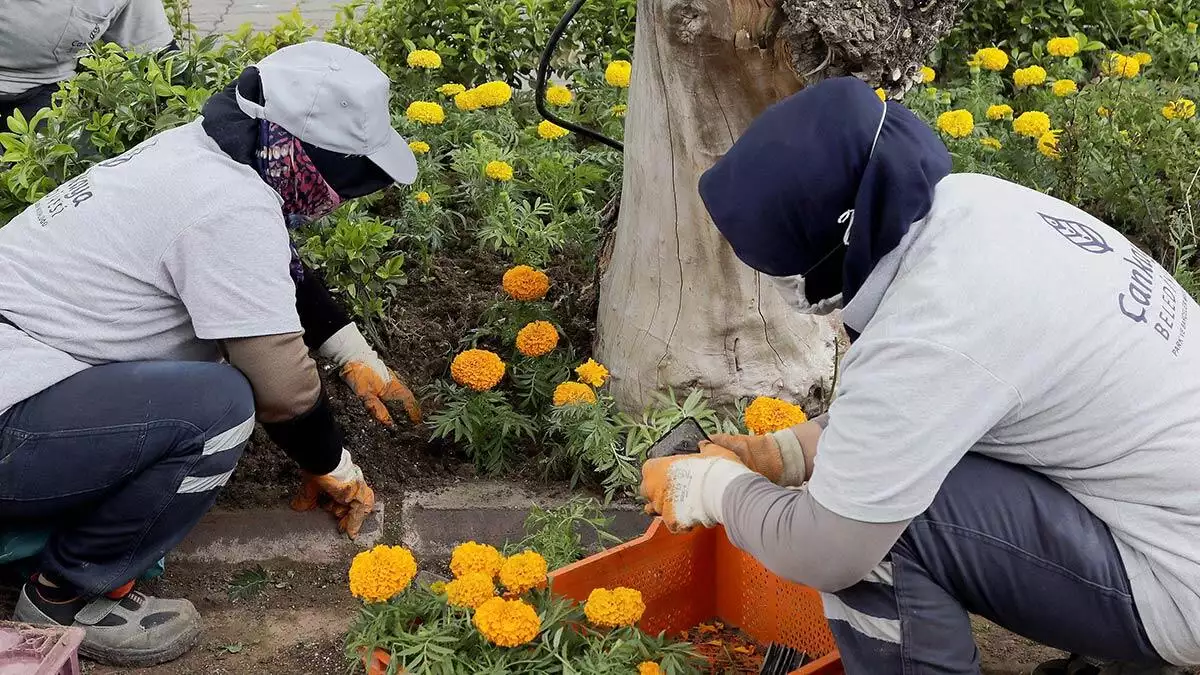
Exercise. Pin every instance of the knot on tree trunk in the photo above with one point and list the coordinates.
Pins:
(688, 19)
(881, 41)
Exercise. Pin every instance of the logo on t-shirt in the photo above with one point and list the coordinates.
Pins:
(1083, 236)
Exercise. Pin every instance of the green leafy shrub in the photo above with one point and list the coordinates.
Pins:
(353, 251)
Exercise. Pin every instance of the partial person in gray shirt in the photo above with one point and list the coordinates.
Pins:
(40, 41)
(1016, 431)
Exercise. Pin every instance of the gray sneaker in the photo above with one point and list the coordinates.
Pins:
(136, 630)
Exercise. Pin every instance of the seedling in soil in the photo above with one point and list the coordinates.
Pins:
(233, 648)
(247, 584)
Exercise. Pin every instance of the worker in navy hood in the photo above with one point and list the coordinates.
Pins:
(1017, 421)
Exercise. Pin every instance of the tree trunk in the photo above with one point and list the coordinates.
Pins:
(677, 308)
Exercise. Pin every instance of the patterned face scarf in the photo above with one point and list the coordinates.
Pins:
(287, 168)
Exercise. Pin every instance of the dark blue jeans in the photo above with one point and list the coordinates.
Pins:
(120, 461)
(1003, 542)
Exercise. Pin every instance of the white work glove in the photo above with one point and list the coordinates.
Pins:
(367, 374)
(689, 490)
(351, 499)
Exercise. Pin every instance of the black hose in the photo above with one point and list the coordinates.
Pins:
(543, 71)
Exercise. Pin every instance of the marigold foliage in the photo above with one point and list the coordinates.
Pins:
(956, 123)
(507, 623)
(1029, 77)
(523, 572)
(1032, 124)
(1063, 88)
(550, 131)
(559, 95)
(570, 393)
(614, 608)
(474, 557)
(525, 283)
(424, 58)
(470, 590)
(617, 74)
(478, 369)
(380, 573)
(592, 373)
(425, 112)
(999, 111)
(990, 58)
(537, 338)
(1063, 46)
(497, 170)
(766, 414)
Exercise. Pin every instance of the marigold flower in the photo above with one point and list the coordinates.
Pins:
(474, 557)
(617, 74)
(649, 668)
(379, 574)
(928, 74)
(989, 142)
(1103, 112)
(956, 123)
(523, 572)
(425, 112)
(470, 590)
(507, 623)
(478, 369)
(1063, 46)
(1143, 58)
(766, 414)
(614, 608)
(1048, 144)
(1180, 109)
(437, 587)
(1119, 65)
(468, 100)
(537, 338)
(525, 283)
(497, 170)
(422, 197)
(571, 393)
(418, 147)
(1062, 88)
(1032, 124)
(619, 110)
(592, 373)
(881, 94)
(1029, 77)
(424, 58)
(1191, 28)
(550, 131)
(493, 94)
(451, 89)
(559, 95)
(999, 112)
(990, 58)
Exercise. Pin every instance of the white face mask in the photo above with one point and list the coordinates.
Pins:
(792, 290)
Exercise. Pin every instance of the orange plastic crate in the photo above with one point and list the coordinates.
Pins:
(694, 577)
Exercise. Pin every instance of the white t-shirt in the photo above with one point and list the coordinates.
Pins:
(1021, 328)
(40, 39)
(153, 255)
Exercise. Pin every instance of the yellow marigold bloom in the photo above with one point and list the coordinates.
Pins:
(470, 590)
(956, 123)
(617, 74)
(1191, 28)
(1180, 109)
(525, 283)
(611, 609)
(418, 147)
(990, 58)
(766, 414)
(1048, 144)
(1103, 112)
(619, 109)
(507, 623)
(570, 393)
(1029, 77)
(649, 668)
(467, 100)
(1119, 65)
(999, 112)
(425, 112)
(592, 373)
(559, 95)
(989, 142)
(928, 74)
(1032, 124)
(379, 574)
(1143, 58)
(473, 557)
(1063, 88)
(451, 89)
(422, 197)
(537, 338)
(478, 369)
(1063, 46)
(550, 131)
(494, 94)
(497, 170)
(881, 94)
(424, 58)
(523, 572)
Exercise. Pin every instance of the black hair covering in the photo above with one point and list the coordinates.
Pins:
(778, 194)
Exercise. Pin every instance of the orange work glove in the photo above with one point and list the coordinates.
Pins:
(351, 500)
(778, 456)
(372, 381)
(687, 490)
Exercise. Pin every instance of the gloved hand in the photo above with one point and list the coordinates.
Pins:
(371, 380)
(351, 498)
(778, 456)
(687, 490)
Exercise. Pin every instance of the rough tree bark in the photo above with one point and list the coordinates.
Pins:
(677, 309)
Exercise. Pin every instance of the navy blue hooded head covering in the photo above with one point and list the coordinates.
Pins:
(782, 193)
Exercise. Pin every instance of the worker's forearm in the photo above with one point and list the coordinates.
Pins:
(798, 539)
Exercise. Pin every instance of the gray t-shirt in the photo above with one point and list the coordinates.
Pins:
(1017, 326)
(153, 255)
(40, 39)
